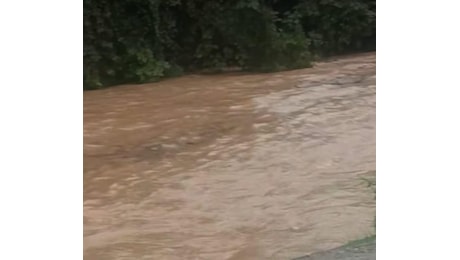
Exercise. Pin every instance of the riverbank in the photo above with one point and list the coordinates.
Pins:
(363, 249)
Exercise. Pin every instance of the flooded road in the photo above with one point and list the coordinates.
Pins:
(232, 166)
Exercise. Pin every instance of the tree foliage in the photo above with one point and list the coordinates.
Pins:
(146, 40)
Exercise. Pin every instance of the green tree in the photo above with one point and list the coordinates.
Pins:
(146, 40)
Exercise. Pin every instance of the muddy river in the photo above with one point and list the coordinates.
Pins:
(231, 166)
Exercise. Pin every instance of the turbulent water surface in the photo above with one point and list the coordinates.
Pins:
(233, 166)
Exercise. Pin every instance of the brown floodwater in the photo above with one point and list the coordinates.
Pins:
(231, 166)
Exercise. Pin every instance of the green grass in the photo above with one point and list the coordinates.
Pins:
(366, 240)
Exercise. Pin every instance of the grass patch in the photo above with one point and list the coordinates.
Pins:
(362, 241)
(371, 183)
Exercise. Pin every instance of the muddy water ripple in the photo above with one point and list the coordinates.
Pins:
(232, 166)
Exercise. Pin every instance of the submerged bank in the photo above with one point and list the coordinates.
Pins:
(363, 249)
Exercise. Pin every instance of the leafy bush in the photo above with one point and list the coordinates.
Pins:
(146, 40)
(142, 66)
(335, 26)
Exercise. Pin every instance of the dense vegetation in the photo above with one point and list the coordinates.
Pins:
(145, 40)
